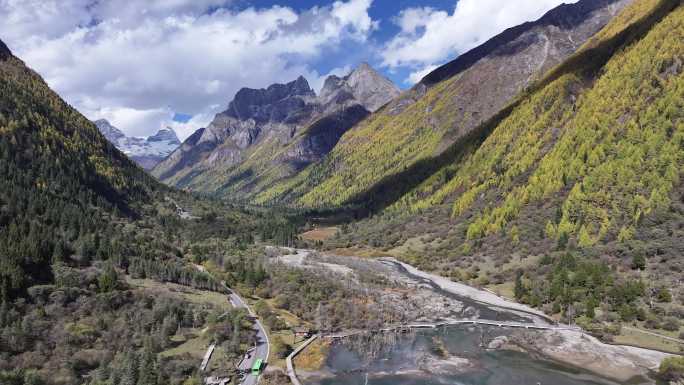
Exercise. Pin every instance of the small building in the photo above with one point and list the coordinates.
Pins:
(302, 332)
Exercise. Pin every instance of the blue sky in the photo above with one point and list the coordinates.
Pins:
(384, 11)
(146, 65)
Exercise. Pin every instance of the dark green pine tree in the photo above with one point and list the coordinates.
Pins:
(147, 369)
(129, 375)
(519, 289)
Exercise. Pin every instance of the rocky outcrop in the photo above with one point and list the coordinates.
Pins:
(285, 126)
(364, 86)
(274, 110)
(164, 135)
(110, 132)
(322, 136)
(147, 152)
(277, 103)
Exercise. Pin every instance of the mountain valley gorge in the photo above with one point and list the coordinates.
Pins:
(516, 215)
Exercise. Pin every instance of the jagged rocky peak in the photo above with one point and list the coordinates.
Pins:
(165, 135)
(371, 88)
(268, 118)
(364, 84)
(110, 132)
(335, 91)
(272, 103)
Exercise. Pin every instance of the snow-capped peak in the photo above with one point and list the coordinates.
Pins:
(145, 151)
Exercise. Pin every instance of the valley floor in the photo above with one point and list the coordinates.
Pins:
(430, 299)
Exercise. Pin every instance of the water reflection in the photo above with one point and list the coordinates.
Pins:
(453, 355)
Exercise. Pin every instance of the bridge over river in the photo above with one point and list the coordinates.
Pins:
(502, 324)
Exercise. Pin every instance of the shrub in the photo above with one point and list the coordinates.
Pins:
(664, 295)
(280, 348)
(671, 324)
(651, 323)
(638, 261)
(672, 369)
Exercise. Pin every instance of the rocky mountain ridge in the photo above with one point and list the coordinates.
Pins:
(147, 152)
(564, 18)
(283, 128)
(368, 152)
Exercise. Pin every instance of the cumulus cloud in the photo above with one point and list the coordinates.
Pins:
(416, 76)
(429, 37)
(135, 120)
(197, 121)
(137, 63)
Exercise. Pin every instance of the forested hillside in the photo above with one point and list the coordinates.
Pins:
(85, 238)
(61, 179)
(613, 143)
(575, 194)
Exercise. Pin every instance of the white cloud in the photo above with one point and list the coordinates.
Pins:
(134, 122)
(416, 76)
(137, 62)
(355, 15)
(196, 122)
(429, 37)
(316, 81)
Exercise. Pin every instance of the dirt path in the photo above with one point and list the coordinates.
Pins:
(654, 334)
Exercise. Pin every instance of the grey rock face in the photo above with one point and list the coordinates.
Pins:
(322, 136)
(370, 88)
(285, 114)
(572, 24)
(364, 86)
(110, 132)
(165, 135)
(277, 103)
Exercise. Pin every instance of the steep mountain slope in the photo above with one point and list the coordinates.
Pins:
(57, 171)
(576, 192)
(611, 145)
(147, 152)
(379, 156)
(270, 134)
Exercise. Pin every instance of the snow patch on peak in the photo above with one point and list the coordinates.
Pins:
(145, 151)
(165, 134)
